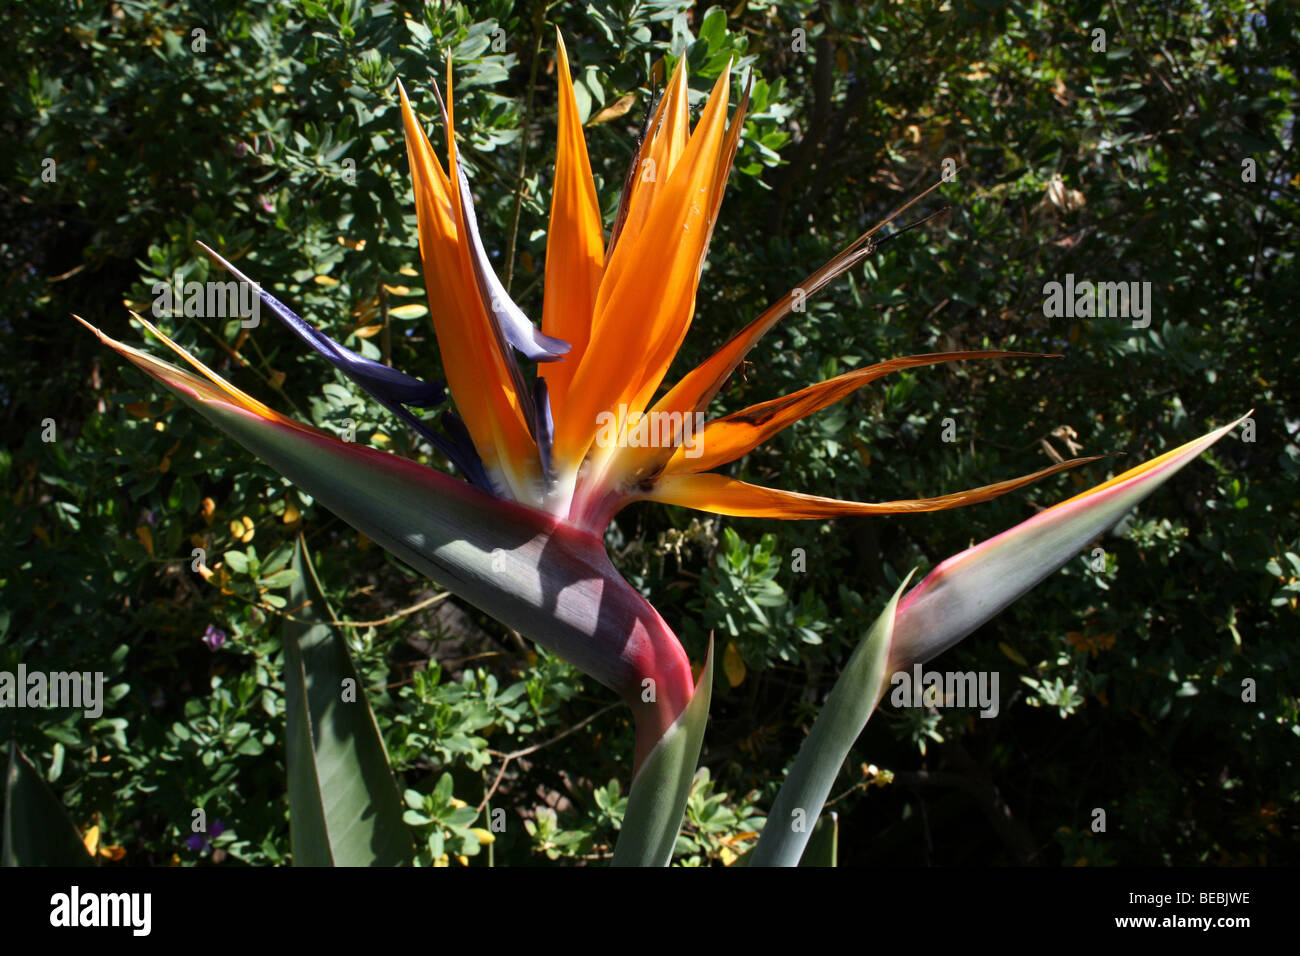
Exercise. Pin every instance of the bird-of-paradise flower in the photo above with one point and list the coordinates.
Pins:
(547, 462)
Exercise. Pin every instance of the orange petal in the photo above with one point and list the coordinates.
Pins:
(670, 131)
(647, 294)
(670, 340)
(635, 171)
(726, 439)
(729, 496)
(477, 374)
(698, 387)
(575, 251)
(729, 146)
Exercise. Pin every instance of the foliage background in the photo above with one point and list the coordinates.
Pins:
(1121, 689)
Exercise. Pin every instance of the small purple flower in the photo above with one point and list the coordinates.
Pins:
(198, 842)
(241, 150)
(266, 202)
(214, 637)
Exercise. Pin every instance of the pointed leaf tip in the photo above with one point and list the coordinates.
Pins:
(969, 588)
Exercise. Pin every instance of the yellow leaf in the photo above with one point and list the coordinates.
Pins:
(328, 282)
(291, 513)
(733, 665)
(397, 289)
(484, 836)
(379, 438)
(412, 311)
(863, 452)
(1012, 653)
(206, 508)
(146, 538)
(114, 853)
(614, 110)
(91, 840)
(407, 271)
(367, 331)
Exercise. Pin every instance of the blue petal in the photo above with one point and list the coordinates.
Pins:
(392, 389)
(457, 445)
(543, 426)
(375, 377)
(511, 322)
(462, 453)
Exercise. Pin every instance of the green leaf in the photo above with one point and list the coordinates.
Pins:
(277, 580)
(850, 704)
(714, 27)
(344, 807)
(824, 846)
(656, 803)
(37, 830)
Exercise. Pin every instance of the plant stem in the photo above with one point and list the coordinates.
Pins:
(540, 23)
